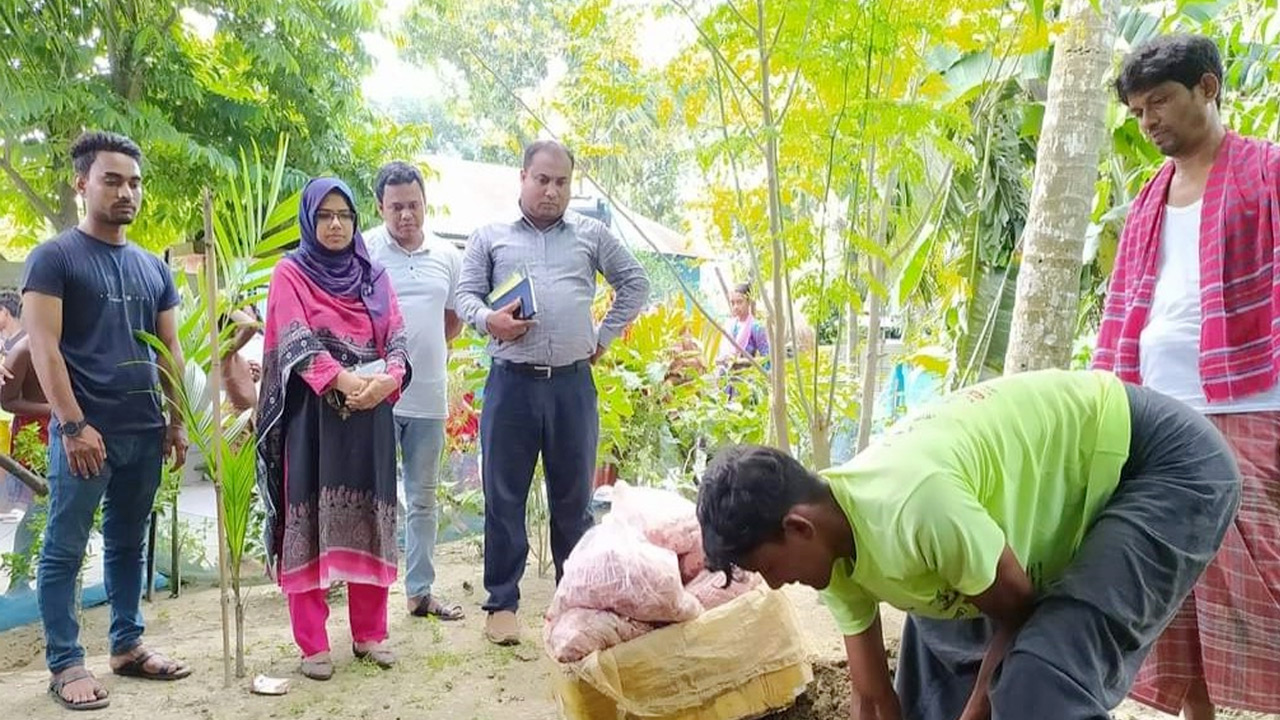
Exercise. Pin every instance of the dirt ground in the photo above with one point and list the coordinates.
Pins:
(446, 670)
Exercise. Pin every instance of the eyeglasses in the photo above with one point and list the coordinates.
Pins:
(324, 217)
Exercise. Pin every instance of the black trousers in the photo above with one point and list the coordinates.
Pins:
(530, 412)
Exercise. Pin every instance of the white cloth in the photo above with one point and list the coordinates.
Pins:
(1169, 345)
(424, 282)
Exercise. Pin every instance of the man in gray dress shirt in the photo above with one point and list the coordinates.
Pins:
(540, 397)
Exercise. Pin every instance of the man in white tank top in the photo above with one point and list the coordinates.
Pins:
(1194, 297)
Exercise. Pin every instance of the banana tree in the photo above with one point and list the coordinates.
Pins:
(252, 223)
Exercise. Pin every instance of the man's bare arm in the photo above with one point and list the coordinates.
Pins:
(167, 331)
(1008, 602)
(246, 328)
(42, 317)
(452, 325)
(873, 694)
(13, 396)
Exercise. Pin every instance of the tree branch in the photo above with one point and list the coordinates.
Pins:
(741, 17)
(715, 51)
(33, 197)
(795, 77)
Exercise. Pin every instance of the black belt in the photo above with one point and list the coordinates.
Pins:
(542, 372)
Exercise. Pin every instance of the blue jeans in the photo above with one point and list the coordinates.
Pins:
(526, 415)
(421, 443)
(126, 487)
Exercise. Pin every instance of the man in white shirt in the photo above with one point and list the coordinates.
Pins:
(424, 273)
(1191, 313)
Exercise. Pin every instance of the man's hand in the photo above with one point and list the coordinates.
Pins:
(873, 697)
(175, 442)
(377, 389)
(5, 374)
(596, 355)
(255, 370)
(876, 710)
(504, 325)
(86, 452)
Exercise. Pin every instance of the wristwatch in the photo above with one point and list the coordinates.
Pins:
(73, 428)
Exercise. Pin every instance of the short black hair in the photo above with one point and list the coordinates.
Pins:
(538, 146)
(397, 173)
(1184, 59)
(745, 493)
(743, 289)
(85, 149)
(10, 300)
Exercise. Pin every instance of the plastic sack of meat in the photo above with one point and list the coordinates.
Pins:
(710, 590)
(693, 562)
(577, 633)
(665, 518)
(613, 568)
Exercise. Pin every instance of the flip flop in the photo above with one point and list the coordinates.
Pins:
(428, 606)
(137, 667)
(70, 676)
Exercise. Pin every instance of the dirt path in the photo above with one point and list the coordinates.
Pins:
(446, 670)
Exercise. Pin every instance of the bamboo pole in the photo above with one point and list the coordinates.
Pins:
(215, 443)
(37, 484)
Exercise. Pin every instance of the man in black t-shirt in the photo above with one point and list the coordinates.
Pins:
(86, 295)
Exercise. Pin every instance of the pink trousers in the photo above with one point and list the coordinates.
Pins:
(309, 611)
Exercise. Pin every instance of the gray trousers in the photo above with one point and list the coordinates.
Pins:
(1077, 655)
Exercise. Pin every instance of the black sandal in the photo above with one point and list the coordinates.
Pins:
(137, 667)
(74, 675)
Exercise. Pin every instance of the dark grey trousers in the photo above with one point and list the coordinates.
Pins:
(1077, 656)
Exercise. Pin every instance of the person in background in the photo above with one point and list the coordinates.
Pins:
(424, 273)
(11, 330)
(334, 365)
(86, 294)
(750, 340)
(239, 374)
(1193, 311)
(540, 395)
(23, 398)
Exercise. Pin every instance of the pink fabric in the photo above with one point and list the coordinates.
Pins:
(296, 302)
(1240, 290)
(304, 327)
(338, 565)
(309, 615)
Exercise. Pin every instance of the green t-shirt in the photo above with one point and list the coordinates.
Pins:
(1027, 460)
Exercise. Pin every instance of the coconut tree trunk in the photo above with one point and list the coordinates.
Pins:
(1048, 295)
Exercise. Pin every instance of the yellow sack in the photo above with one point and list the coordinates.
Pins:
(744, 659)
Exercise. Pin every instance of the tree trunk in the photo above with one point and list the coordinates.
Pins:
(778, 323)
(871, 361)
(239, 601)
(175, 551)
(820, 431)
(1048, 295)
(68, 211)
